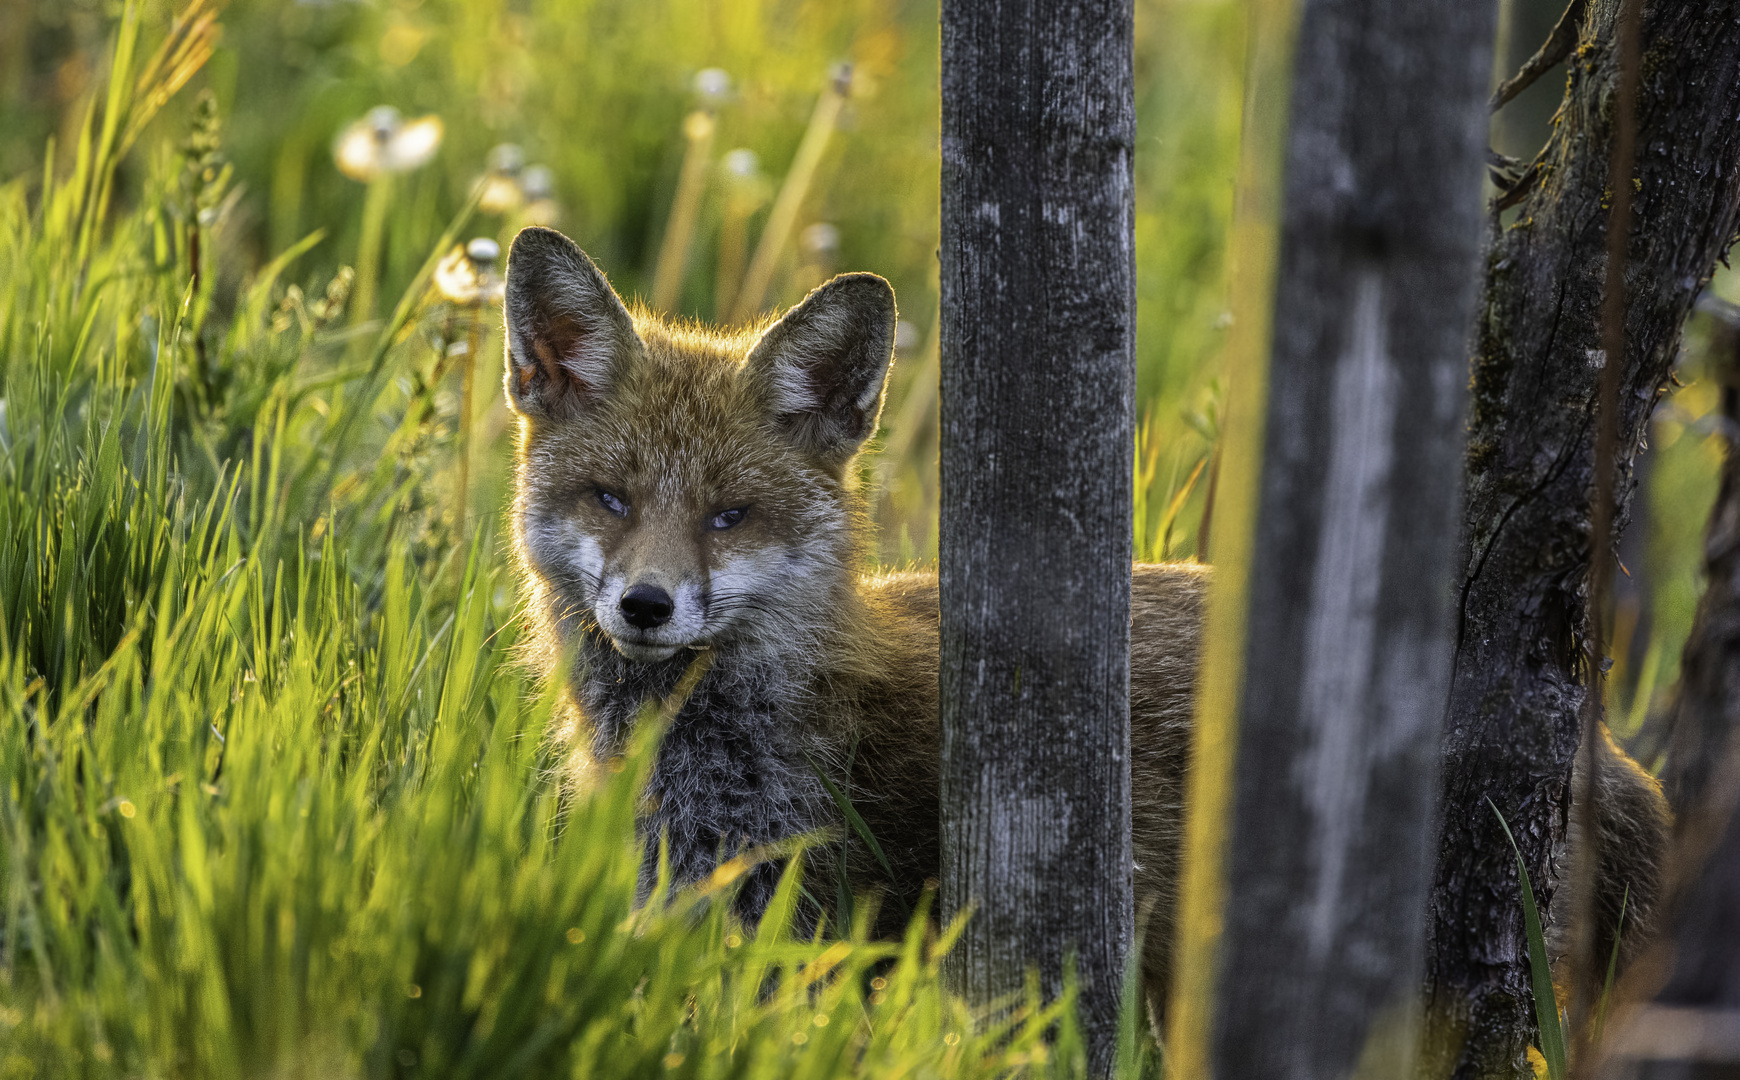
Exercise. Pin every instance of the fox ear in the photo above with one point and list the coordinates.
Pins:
(821, 367)
(568, 334)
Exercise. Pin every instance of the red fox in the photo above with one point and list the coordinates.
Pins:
(682, 491)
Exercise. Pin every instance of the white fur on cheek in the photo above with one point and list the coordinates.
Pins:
(560, 547)
(767, 596)
(686, 619)
(587, 556)
(744, 576)
(605, 606)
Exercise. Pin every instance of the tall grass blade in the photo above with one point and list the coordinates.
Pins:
(859, 826)
(1612, 968)
(1547, 1015)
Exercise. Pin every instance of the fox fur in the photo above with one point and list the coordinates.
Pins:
(710, 470)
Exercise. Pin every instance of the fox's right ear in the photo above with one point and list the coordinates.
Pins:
(569, 337)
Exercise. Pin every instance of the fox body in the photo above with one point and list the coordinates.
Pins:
(690, 531)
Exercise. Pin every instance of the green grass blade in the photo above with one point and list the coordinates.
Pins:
(1546, 1000)
(1136, 1057)
(1612, 967)
(861, 827)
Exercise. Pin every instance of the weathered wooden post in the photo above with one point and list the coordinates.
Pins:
(1037, 407)
(1324, 747)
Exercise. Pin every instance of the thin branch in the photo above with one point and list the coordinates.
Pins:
(1517, 190)
(1549, 56)
(1503, 162)
(1585, 987)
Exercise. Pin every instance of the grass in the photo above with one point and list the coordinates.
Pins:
(275, 799)
(1550, 1019)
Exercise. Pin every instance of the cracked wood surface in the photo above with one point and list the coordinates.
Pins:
(1512, 727)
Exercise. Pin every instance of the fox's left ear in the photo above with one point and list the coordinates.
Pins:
(822, 366)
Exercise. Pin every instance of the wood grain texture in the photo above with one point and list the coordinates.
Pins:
(1348, 647)
(1512, 728)
(1037, 406)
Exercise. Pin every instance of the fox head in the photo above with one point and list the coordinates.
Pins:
(680, 487)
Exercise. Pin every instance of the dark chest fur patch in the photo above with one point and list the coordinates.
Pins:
(731, 773)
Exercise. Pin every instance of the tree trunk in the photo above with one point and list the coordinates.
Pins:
(1516, 689)
(1347, 653)
(1037, 406)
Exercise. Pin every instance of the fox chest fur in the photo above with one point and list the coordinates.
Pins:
(691, 538)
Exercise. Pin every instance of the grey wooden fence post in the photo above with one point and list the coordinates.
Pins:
(1350, 626)
(1037, 407)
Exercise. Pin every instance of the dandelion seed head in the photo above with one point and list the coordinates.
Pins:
(820, 239)
(741, 163)
(483, 251)
(538, 182)
(713, 86)
(506, 158)
(383, 142)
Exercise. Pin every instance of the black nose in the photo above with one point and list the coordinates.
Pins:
(646, 606)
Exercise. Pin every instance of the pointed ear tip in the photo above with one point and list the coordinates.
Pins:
(536, 241)
(862, 282)
(534, 236)
(872, 290)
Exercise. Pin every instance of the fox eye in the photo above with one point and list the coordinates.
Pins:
(612, 503)
(724, 519)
